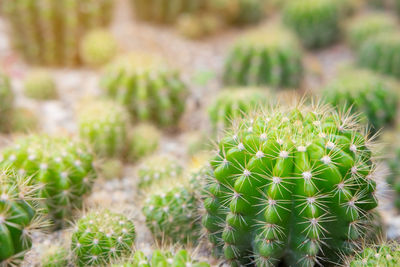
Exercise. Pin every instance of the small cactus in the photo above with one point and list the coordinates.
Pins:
(6, 103)
(100, 237)
(316, 22)
(98, 47)
(290, 185)
(55, 256)
(149, 89)
(384, 255)
(62, 169)
(40, 85)
(270, 56)
(144, 140)
(104, 124)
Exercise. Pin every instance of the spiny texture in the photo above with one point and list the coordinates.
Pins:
(366, 26)
(265, 57)
(40, 85)
(385, 255)
(6, 103)
(48, 32)
(61, 168)
(157, 168)
(164, 11)
(102, 236)
(18, 214)
(147, 87)
(231, 104)
(292, 185)
(104, 124)
(366, 93)
(98, 47)
(316, 22)
(381, 54)
(55, 256)
(144, 140)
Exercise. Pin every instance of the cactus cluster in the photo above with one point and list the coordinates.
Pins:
(62, 169)
(293, 185)
(6, 103)
(316, 22)
(40, 85)
(100, 237)
(144, 140)
(366, 93)
(147, 87)
(55, 256)
(387, 255)
(49, 32)
(269, 56)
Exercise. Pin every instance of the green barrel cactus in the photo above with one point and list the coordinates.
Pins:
(48, 32)
(387, 255)
(316, 22)
(231, 104)
(366, 93)
(104, 124)
(293, 185)
(270, 56)
(55, 256)
(144, 140)
(40, 85)
(366, 26)
(149, 89)
(158, 168)
(62, 169)
(100, 237)
(6, 103)
(98, 47)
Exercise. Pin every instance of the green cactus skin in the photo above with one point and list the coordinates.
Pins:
(381, 54)
(62, 168)
(104, 125)
(98, 47)
(366, 26)
(6, 103)
(231, 104)
(55, 256)
(385, 255)
(40, 85)
(158, 168)
(292, 184)
(164, 11)
(147, 87)
(162, 258)
(18, 214)
(366, 93)
(144, 140)
(265, 57)
(100, 237)
(48, 32)
(316, 22)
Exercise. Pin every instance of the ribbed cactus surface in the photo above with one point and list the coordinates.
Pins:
(387, 255)
(293, 184)
(49, 32)
(6, 103)
(149, 89)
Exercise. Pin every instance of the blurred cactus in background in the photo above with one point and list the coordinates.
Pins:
(199, 25)
(269, 56)
(6, 103)
(24, 121)
(48, 32)
(144, 139)
(40, 85)
(55, 256)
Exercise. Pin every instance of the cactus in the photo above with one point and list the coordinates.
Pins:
(291, 185)
(231, 104)
(144, 140)
(111, 169)
(62, 169)
(40, 85)
(387, 255)
(55, 256)
(6, 103)
(196, 26)
(100, 237)
(147, 87)
(19, 216)
(366, 93)
(24, 121)
(104, 125)
(157, 168)
(316, 22)
(98, 47)
(270, 56)
(366, 26)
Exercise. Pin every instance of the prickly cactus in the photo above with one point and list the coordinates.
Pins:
(387, 255)
(55, 256)
(100, 237)
(147, 87)
(270, 56)
(291, 184)
(144, 140)
(98, 47)
(40, 85)
(6, 103)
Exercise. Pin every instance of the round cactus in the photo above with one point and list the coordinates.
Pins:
(40, 85)
(144, 140)
(231, 104)
(100, 237)
(292, 184)
(265, 57)
(98, 47)
(316, 22)
(365, 26)
(365, 93)
(147, 87)
(387, 255)
(49, 34)
(62, 169)
(104, 124)
(55, 256)
(6, 103)
(157, 168)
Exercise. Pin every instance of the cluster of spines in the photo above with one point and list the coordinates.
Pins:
(6, 103)
(385, 254)
(55, 256)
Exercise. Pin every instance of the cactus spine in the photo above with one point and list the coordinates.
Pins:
(6, 103)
